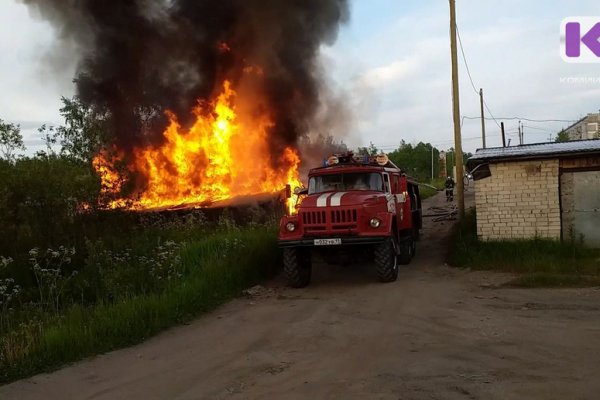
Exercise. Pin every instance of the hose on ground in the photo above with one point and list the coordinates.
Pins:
(445, 213)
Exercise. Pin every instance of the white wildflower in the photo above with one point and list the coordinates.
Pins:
(4, 261)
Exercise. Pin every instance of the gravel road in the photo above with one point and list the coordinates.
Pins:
(436, 333)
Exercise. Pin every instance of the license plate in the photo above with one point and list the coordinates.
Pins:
(327, 242)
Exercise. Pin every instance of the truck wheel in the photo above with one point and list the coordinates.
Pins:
(386, 261)
(297, 267)
(407, 251)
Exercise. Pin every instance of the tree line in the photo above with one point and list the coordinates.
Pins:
(418, 160)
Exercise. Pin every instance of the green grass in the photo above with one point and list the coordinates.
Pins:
(541, 262)
(548, 280)
(217, 268)
(427, 191)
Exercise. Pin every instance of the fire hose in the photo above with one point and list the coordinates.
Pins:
(446, 213)
(430, 186)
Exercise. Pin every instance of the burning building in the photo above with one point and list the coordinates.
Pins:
(206, 100)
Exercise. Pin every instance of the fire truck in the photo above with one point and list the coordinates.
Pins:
(354, 206)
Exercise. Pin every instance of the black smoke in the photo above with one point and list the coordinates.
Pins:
(142, 57)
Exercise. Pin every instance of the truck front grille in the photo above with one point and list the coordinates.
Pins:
(318, 221)
(314, 218)
(343, 216)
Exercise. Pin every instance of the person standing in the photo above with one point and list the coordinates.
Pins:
(449, 184)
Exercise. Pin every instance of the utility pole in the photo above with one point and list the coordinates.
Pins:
(482, 118)
(503, 135)
(432, 176)
(460, 188)
(519, 129)
(522, 133)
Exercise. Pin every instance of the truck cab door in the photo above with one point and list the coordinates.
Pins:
(403, 202)
(387, 187)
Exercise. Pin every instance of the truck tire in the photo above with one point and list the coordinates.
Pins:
(386, 261)
(407, 251)
(297, 267)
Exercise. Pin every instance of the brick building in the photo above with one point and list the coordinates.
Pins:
(587, 127)
(548, 190)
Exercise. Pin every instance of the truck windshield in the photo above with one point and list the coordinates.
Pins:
(347, 181)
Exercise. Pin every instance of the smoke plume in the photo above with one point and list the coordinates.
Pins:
(142, 57)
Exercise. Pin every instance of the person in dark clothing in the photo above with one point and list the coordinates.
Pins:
(449, 184)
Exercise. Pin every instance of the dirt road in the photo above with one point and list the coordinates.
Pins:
(436, 333)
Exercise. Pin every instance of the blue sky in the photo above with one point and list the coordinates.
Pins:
(390, 64)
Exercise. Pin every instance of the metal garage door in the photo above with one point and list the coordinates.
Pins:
(580, 200)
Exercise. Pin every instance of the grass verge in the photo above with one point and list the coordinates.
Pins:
(427, 191)
(541, 262)
(536, 280)
(216, 269)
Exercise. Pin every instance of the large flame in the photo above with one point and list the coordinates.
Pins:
(222, 155)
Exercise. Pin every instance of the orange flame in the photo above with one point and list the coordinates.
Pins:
(111, 181)
(222, 155)
(291, 156)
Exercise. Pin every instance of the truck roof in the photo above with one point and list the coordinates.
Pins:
(352, 168)
(347, 162)
(355, 167)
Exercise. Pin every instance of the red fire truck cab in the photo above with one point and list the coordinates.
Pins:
(353, 206)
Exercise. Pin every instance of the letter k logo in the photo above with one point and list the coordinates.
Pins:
(581, 39)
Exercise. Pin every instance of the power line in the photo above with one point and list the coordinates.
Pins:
(397, 146)
(462, 50)
(524, 119)
(509, 132)
(539, 129)
(490, 112)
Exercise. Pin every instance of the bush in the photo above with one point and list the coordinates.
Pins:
(40, 200)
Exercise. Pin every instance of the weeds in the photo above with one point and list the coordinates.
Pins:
(543, 262)
(120, 273)
(51, 275)
(139, 289)
(9, 293)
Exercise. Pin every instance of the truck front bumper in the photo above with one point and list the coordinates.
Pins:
(346, 241)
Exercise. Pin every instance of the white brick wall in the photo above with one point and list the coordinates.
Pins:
(519, 201)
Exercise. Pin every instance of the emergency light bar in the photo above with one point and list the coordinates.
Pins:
(349, 158)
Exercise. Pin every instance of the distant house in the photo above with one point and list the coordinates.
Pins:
(587, 127)
(547, 190)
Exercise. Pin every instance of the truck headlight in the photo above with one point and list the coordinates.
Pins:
(375, 223)
(290, 226)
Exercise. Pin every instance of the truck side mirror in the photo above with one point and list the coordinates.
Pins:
(288, 191)
(300, 190)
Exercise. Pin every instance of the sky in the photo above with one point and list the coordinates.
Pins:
(390, 65)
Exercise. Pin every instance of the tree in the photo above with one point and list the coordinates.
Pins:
(372, 150)
(417, 160)
(562, 136)
(451, 160)
(84, 131)
(11, 140)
